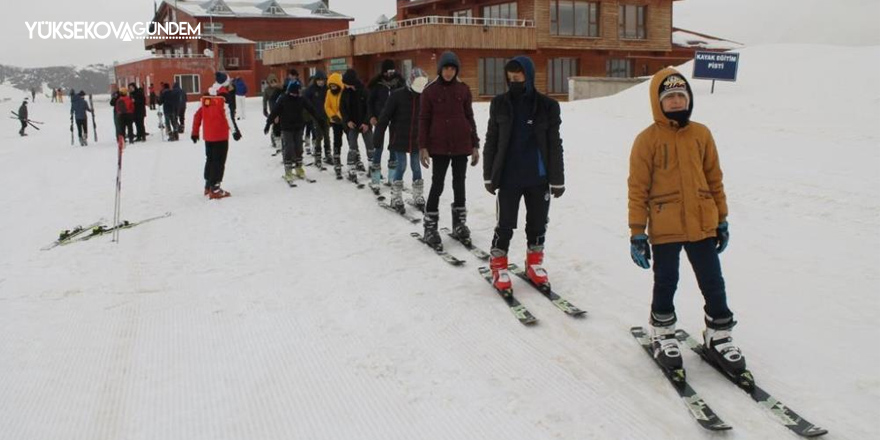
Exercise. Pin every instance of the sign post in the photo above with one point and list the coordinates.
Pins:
(721, 66)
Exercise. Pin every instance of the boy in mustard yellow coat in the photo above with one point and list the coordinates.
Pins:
(677, 201)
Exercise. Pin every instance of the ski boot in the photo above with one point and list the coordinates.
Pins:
(351, 159)
(432, 236)
(722, 351)
(418, 189)
(459, 226)
(337, 166)
(359, 166)
(308, 144)
(396, 201)
(667, 352)
(392, 165)
(288, 173)
(300, 171)
(498, 265)
(534, 265)
(375, 177)
(328, 159)
(218, 193)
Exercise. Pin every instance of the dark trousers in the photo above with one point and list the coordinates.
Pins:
(438, 179)
(353, 143)
(707, 268)
(215, 162)
(126, 126)
(181, 115)
(171, 122)
(337, 144)
(292, 146)
(82, 130)
(537, 200)
(321, 136)
(139, 124)
(23, 126)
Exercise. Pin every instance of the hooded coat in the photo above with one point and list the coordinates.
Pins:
(317, 95)
(332, 102)
(547, 160)
(380, 89)
(79, 107)
(446, 116)
(353, 104)
(675, 180)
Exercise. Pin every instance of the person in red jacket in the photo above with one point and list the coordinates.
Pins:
(213, 113)
(123, 112)
(447, 135)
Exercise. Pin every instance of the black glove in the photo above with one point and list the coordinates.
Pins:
(489, 188)
(722, 237)
(265, 130)
(640, 251)
(195, 138)
(557, 191)
(236, 135)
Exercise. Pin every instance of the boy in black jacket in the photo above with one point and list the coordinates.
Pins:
(523, 160)
(353, 107)
(290, 108)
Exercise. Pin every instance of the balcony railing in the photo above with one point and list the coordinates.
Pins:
(420, 21)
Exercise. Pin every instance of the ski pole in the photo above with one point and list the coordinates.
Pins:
(117, 208)
(94, 125)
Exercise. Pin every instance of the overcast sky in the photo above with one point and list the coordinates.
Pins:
(18, 50)
(846, 22)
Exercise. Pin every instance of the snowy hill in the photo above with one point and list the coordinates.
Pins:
(92, 78)
(310, 313)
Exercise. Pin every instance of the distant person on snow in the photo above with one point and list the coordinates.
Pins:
(677, 201)
(217, 122)
(78, 109)
(23, 117)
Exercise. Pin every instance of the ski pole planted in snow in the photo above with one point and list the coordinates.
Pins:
(94, 125)
(120, 141)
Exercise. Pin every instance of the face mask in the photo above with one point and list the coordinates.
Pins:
(517, 89)
(334, 90)
(682, 117)
(419, 84)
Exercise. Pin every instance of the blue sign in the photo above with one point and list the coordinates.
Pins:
(716, 65)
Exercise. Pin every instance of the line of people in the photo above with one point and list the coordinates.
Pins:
(676, 195)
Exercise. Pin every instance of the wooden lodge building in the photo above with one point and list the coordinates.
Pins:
(234, 35)
(601, 38)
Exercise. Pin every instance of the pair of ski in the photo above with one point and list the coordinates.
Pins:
(704, 415)
(520, 311)
(291, 182)
(88, 232)
(446, 256)
(403, 213)
(69, 234)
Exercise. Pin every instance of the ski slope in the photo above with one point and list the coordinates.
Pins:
(310, 313)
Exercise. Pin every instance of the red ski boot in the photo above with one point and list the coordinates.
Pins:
(218, 193)
(534, 260)
(500, 275)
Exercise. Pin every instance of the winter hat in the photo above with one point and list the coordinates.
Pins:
(350, 77)
(221, 78)
(82, 93)
(294, 87)
(388, 65)
(448, 58)
(417, 80)
(675, 84)
(320, 75)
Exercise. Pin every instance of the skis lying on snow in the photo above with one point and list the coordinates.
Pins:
(558, 301)
(468, 244)
(404, 214)
(101, 229)
(290, 182)
(519, 311)
(68, 234)
(746, 382)
(447, 257)
(695, 404)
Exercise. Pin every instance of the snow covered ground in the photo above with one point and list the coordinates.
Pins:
(309, 313)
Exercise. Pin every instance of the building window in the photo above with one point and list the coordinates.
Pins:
(631, 22)
(212, 28)
(189, 83)
(618, 68)
(574, 18)
(490, 75)
(502, 12)
(558, 72)
(218, 7)
(261, 47)
(464, 16)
